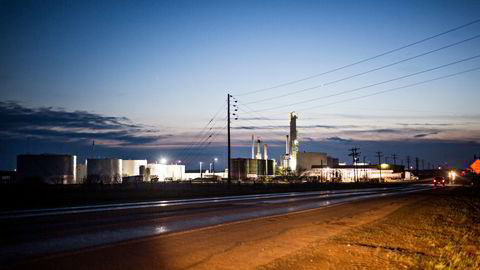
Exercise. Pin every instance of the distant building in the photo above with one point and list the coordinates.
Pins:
(360, 172)
(164, 172)
(307, 160)
(8, 177)
(47, 168)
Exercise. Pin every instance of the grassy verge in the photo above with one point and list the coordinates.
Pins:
(442, 232)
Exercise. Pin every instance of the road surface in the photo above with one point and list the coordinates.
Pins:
(32, 234)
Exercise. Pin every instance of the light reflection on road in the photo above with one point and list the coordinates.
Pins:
(258, 206)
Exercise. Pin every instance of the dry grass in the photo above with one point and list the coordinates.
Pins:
(441, 232)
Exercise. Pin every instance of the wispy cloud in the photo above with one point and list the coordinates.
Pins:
(49, 123)
(338, 139)
(425, 134)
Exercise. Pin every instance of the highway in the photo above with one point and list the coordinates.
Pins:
(30, 234)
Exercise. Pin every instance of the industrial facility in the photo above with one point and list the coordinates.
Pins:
(104, 170)
(47, 168)
(63, 169)
(257, 166)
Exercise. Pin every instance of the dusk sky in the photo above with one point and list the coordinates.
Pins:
(143, 78)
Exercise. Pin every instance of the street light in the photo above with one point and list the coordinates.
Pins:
(214, 160)
(163, 161)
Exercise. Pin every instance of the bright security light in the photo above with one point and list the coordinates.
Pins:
(163, 161)
(216, 159)
(384, 166)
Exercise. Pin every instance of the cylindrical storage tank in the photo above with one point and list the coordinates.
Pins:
(132, 167)
(47, 168)
(106, 171)
(252, 166)
(271, 167)
(81, 173)
(240, 168)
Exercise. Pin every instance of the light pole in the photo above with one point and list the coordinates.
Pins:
(214, 160)
(210, 167)
(201, 176)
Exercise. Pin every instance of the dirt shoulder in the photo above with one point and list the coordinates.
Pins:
(437, 232)
(248, 244)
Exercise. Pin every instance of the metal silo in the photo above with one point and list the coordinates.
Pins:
(47, 168)
(106, 171)
(132, 167)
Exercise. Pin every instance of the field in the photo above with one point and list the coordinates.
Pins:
(440, 232)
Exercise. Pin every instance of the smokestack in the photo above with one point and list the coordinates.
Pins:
(253, 146)
(287, 146)
(293, 131)
(259, 155)
(265, 151)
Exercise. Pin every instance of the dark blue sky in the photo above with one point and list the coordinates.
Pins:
(142, 78)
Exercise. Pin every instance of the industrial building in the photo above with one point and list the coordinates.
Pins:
(256, 166)
(47, 168)
(358, 172)
(164, 172)
(104, 170)
(308, 160)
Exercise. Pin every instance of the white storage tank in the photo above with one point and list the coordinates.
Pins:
(81, 173)
(47, 168)
(132, 167)
(106, 171)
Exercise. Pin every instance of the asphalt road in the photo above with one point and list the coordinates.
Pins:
(31, 234)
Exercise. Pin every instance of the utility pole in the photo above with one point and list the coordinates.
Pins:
(394, 156)
(354, 154)
(408, 163)
(364, 168)
(423, 164)
(228, 135)
(379, 155)
(416, 164)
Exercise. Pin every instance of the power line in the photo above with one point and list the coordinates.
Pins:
(185, 151)
(366, 72)
(372, 85)
(361, 61)
(397, 88)
(204, 144)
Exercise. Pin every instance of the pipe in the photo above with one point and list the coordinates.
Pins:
(286, 146)
(265, 151)
(253, 146)
(259, 155)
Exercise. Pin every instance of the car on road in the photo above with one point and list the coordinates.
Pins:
(439, 180)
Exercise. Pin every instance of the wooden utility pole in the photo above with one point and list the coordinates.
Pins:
(228, 139)
(379, 155)
(354, 156)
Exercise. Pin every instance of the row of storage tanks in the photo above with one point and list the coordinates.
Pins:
(63, 169)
